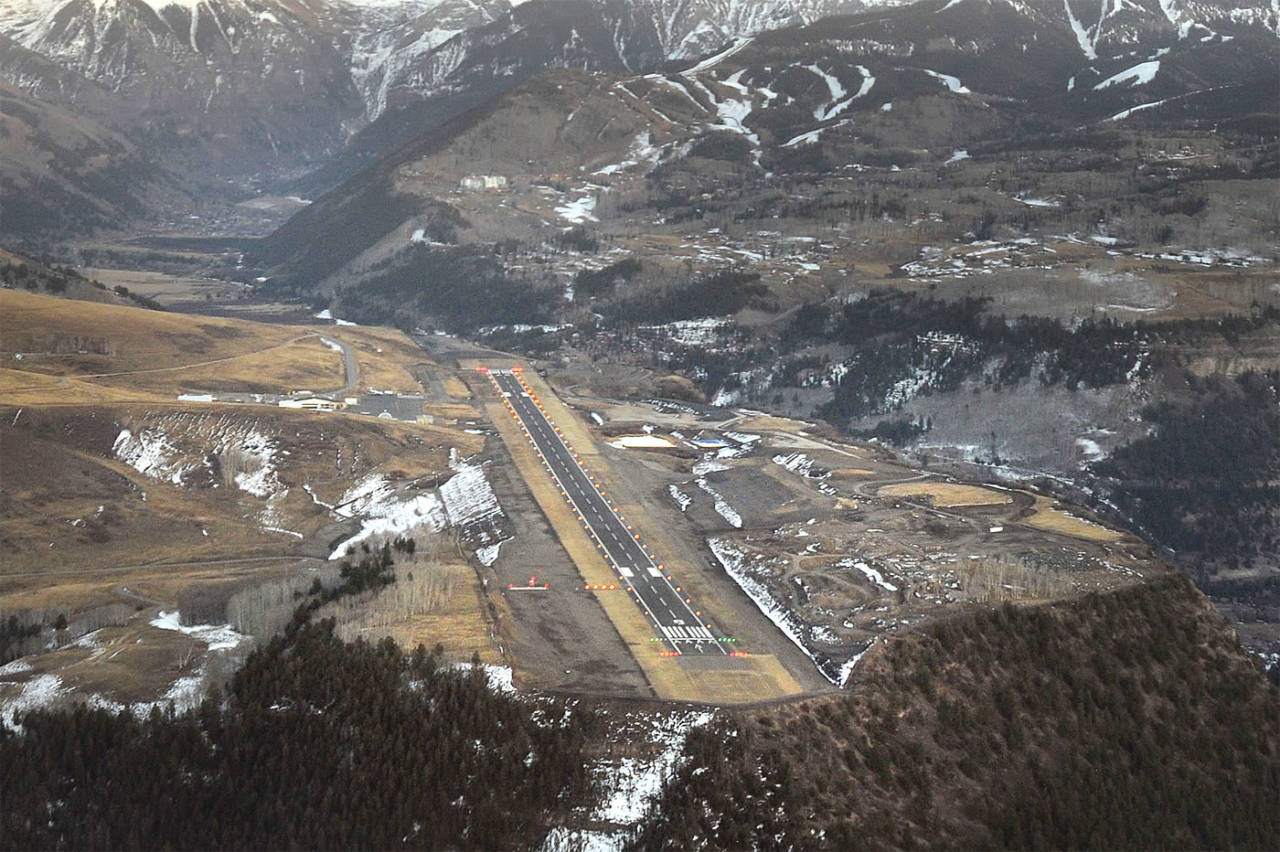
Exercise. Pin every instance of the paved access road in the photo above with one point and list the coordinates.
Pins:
(674, 615)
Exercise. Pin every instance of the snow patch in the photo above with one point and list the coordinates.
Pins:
(952, 83)
(488, 554)
(38, 693)
(153, 451)
(1138, 75)
(735, 565)
(722, 506)
(498, 677)
(631, 785)
(561, 839)
(1090, 449)
(847, 669)
(579, 211)
(14, 667)
(382, 511)
(682, 500)
(692, 332)
(218, 637)
(642, 442)
(1083, 38)
(640, 151)
(468, 499)
(870, 573)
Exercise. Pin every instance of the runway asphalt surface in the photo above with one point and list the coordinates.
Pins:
(677, 620)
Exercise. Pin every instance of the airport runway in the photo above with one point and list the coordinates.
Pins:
(675, 617)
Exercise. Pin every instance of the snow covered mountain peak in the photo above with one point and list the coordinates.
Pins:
(301, 77)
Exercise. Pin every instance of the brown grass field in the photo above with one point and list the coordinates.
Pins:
(384, 356)
(1050, 518)
(24, 388)
(305, 363)
(126, 338)
(852, 472)
(450, 411)
(154, 352)
(82, 533)
(162, 353)
(455, 388)
(947, 494)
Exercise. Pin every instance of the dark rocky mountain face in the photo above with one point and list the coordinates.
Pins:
(1026, 51)
(275, 88)
(62, 174)
(911, 81)
(429, 81)
(221, 87)
(271, 87)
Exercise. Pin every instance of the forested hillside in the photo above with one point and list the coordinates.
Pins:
(1127, 720)
(319, 744)
(1121, 720)
(1206, 481)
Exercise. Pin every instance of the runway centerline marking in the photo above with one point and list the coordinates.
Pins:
(629, 555)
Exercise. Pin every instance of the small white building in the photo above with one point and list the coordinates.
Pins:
(310, 403)
(477, 183)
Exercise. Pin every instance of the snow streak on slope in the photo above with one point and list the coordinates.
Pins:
(712, 61)
(723, 509)
(810, 136)
(834, 87)
(1086, 42)
(868, 80)
(179, 448)
(952, 83)
(732, 112)
(837, 91)
(1138, 75)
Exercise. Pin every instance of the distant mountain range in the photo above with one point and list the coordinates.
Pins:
(237, 86)
(270, 90)
(935, 76)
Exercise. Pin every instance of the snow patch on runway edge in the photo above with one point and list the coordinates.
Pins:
(736, 565)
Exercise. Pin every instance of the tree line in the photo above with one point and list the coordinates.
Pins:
(316, 743)
(1204, 482)
(1124, 720)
